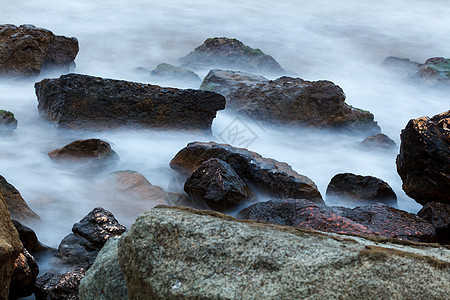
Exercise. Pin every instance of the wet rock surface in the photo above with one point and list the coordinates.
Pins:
(424, 159)
(360, 190)
(378, 141)
(435, 72)
(261, 174)
(217, 185)
(438, 214)
(85, 102)
(7, 122)
(30, 241)
(24, 277)
(59, 286)
(27, 50)
(226, 53)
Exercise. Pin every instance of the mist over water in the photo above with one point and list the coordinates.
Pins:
(344, 42)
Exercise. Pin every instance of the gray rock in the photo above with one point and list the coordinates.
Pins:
(170, 73)
(104, 280)
(174, 253)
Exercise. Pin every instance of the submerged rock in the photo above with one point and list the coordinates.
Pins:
(27, 50)
(85, 102)
(424, 160)
(24, 277)
(7, 122)
(435, 72)
(360, 190)
(438, 214)
(265, 175)
(230, 54)
(172, 73)
(59, 286)
(401, 65)
(380, 141)
(30, 241)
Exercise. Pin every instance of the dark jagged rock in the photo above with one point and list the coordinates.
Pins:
(30, 241)
(302, 213)
(424, 160)
(438, 214)
(7, 122)
(24, 277)
(230, 53)
(261, 174)
(57, 286)
(435, 72)
(27, 50)
(85, 102)
(17, 206)
(360, 189)
(226, 82)
(172, 73)
(217, 185)
(93, 152)
(391, 222)
(380, 141)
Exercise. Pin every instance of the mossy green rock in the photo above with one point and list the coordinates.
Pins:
(435, 71)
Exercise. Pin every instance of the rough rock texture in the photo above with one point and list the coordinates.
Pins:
(264, 174)
(378, 141)
(30, 241)
(213, 256)
(360, 190)
(24, 277)
(297, 102)
(225, 82)
(438, 214)
(105, 280)
(10, 248)
(230, 53)
(17, 206)
(59, 286)
(302, 213)
(391, 222)
(435, 72)
(172, 73)
(217, 185)
(86, 102)
(92, 152)
(7, 122)
(424, 159)
(27, 50)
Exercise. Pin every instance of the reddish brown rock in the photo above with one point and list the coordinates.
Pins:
(24, 277)
(378, 141)
(7, 122)
(435, 72)
(438, 214)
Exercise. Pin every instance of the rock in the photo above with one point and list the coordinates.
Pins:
(207, 255)
(400, 65)
(85, 102)
(226, 82)
(391, 222)
(380, 141)
(217, 185)
(10, 248)
(104, 280)
(435, 72)
(92, 152)
(168, 72)
(360, 190)
(57, 286)
(302, 213)
(17, 206)
(7, 122)
(27, 50)
(262, 174)
(24, 277)
(438, 214)
(230, 53)
(299, 103)
(30, 241)
(424, 160)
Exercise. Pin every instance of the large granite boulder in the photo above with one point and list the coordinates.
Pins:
(265, 175)
(360, 190)
(17, 206)
(27, 50)
(226, 53)
(173, 253)
(85, 102)
(7, 122)
(424, 160)
(438, 214)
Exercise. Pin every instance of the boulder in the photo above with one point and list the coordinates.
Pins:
(360, 190)
(17, 206)
(24, 277)
(30, 241)
(217, 185)
(438, 214)
(27, 50)
(302, 213)
(168, 72)
(85, 102)
(390, 222)
(378, 141)
(265, 175)
(59, 286)
(213, 256)
(435, 72)
(92, 152)
(104, 280)
(7, 122)
(230, 54)
(10, 248)
(424, 160)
